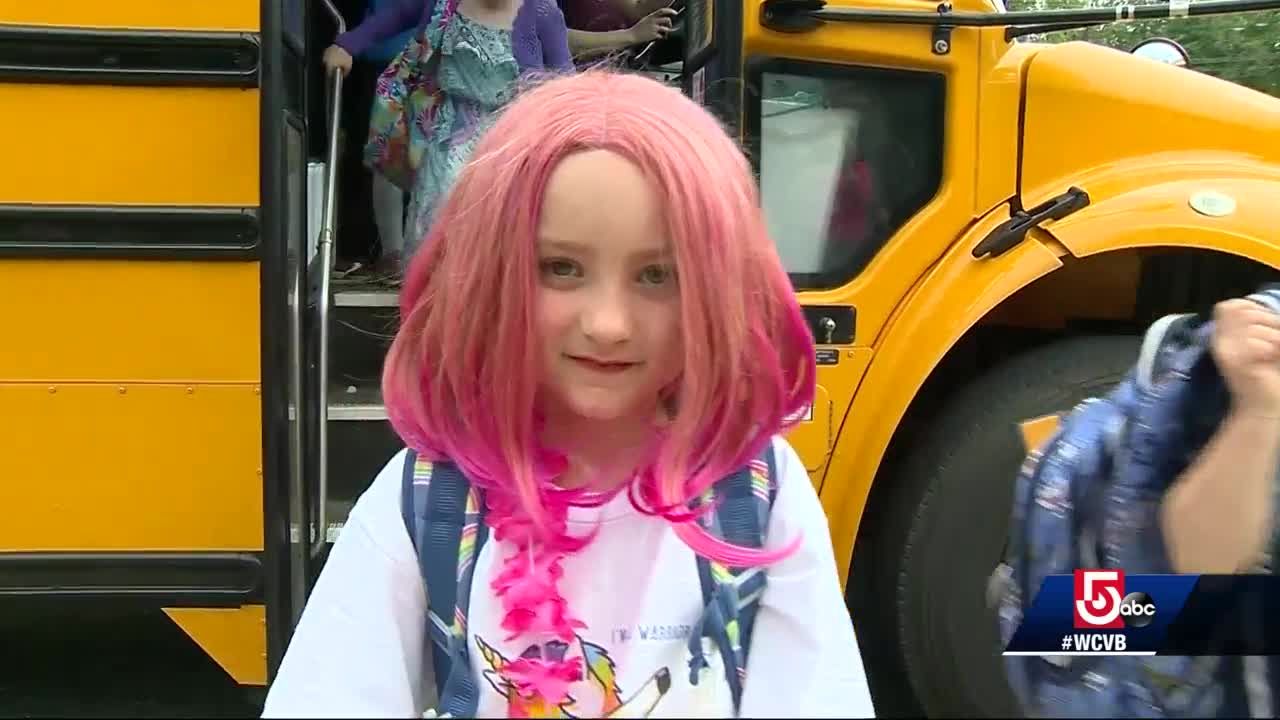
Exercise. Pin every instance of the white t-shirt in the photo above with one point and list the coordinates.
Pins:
(359, 648)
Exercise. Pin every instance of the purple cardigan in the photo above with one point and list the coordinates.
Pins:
(539, 39)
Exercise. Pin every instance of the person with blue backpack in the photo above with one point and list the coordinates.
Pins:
(1174, 471)
(596, 514)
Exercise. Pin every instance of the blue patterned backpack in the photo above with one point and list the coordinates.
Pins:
(444, 515)
(1089, 498)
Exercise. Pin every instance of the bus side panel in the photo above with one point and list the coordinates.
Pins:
(133, 391)
(242, 15)
(128, 467)
(130, 257)
(101, 145)
(130, 321)
(233, 637)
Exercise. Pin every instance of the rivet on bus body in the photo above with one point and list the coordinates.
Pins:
(52, 389)
(191, 391)
(122, 389)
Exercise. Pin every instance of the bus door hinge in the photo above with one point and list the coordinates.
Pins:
(1013, 231)
(942, 32)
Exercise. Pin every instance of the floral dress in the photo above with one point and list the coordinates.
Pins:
(476, 72)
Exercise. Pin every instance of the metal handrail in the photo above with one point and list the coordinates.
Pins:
(325, 253)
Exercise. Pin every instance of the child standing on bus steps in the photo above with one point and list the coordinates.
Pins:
(483, 47)
(598, 353)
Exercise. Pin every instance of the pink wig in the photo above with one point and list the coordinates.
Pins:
(461, 379)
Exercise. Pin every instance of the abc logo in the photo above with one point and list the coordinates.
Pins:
(1137, 610)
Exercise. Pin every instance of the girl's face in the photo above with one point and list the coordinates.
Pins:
(609, 299)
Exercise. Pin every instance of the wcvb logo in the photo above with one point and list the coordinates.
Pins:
(1100, 602)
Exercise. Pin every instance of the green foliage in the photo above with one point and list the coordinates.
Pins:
(1241, 47)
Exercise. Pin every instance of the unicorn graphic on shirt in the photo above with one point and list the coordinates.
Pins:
(600, 671)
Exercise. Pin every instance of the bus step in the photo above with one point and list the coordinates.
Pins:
(360, 333)
(361, 441)
(353, 402)
(338, 511)
(366, 297)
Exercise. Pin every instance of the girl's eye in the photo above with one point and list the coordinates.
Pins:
(656, 274)
(559, 267)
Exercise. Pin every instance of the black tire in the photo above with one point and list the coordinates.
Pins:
(936, 532)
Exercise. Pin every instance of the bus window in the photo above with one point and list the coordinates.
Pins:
(847, 155)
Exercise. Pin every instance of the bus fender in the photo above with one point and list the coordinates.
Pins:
(950, 299)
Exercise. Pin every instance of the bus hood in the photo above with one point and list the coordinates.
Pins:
(1092, 110)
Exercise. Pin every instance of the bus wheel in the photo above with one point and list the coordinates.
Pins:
(937, 532)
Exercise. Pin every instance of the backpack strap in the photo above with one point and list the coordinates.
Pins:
(1170, 332)
(731, 597)
(443, 515)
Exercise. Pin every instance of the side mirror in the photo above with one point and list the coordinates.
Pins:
(1163, 50)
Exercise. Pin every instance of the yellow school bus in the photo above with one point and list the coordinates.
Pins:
(979, 227)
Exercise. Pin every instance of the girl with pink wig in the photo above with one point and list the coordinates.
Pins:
(597, 331)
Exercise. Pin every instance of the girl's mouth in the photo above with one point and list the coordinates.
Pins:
(602, 366)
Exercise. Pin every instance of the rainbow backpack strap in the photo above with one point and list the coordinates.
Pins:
(443, 514)
(731, 597)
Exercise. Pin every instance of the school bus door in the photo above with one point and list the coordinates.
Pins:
(852, 127)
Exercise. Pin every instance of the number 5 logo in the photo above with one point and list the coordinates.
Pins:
(1098, 594)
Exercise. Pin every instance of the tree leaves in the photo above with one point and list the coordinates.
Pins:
(1241, 47)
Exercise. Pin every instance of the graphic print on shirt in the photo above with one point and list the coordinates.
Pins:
(599, 672)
